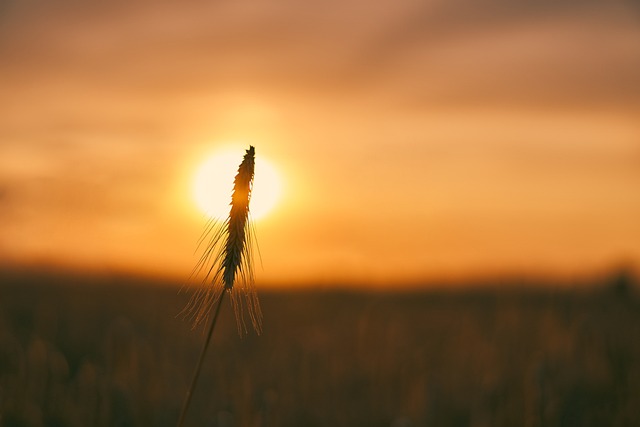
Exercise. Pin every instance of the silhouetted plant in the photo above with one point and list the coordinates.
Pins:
(227, 257)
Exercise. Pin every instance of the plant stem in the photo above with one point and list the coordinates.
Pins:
(196, 373)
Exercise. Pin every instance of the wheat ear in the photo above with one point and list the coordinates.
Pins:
(227, 257)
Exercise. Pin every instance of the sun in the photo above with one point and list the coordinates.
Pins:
(213, 183)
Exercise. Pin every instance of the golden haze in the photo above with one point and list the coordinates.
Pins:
(414, 141)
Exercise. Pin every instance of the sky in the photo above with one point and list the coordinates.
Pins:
(415, 140)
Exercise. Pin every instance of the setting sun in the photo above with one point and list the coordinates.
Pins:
(213, 183)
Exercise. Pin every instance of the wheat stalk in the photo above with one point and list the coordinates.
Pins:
(227, 257)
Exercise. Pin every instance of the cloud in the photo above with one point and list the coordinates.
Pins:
(460, 52)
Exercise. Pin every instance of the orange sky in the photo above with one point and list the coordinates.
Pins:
(416, 140)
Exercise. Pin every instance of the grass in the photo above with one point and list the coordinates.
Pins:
(227, 256)
(89, 351)
(227, 259)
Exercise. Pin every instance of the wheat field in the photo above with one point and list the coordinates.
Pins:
(111, 351)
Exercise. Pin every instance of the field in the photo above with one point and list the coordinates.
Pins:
(112, 351)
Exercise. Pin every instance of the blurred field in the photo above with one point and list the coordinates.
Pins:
(77, 351)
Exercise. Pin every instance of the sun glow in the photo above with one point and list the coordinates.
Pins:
(213, 184)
